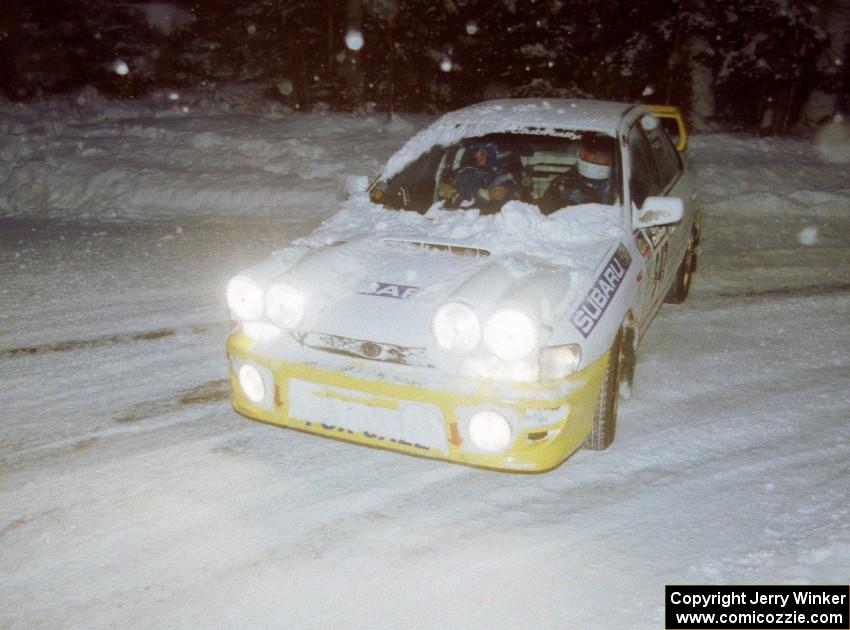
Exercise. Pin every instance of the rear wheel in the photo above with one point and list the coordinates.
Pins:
(605, 418)
(678, 292)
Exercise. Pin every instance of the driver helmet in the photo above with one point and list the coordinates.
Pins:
(594, 160)
(490, 147)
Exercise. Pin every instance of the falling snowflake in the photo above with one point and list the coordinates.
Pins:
(446, 64)
(354, 39)
(120, 67)
(471, 28)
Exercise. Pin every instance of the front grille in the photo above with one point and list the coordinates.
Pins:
(366, 349)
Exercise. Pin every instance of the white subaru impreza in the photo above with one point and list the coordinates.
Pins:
(482, 301)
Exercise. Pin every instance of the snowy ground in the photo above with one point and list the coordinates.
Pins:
(132, 496)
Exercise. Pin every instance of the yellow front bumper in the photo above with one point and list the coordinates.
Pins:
(550, 420)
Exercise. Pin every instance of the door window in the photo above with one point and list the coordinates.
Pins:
(666, 157)
(644, 180)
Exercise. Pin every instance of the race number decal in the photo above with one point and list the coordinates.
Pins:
(593, 307)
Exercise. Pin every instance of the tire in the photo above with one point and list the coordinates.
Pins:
(605, 418)
(628, 361)
(678, 292)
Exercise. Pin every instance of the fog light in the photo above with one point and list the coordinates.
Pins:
(489, 431)
(251, 382)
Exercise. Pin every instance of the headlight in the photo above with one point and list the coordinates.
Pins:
(284, 305)
(489, 431)
(559, 361)
(510, 334)
(245, 298)
(251, 382)
(456, 327)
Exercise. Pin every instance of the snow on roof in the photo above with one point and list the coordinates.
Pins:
(542, 116)
(601, 116)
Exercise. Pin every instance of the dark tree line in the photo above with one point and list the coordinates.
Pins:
(765, 65)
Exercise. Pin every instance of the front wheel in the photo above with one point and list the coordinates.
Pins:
(605, 418)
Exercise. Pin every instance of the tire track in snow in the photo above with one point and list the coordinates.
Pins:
(808, 291)
(106, 340)
(207, 392)
(211, 391)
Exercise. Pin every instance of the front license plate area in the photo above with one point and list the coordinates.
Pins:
(378, 418)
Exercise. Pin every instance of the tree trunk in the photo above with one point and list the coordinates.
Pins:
(391, 65)
(702, 83)
(835, 20)
(354, 71)
(11, 14)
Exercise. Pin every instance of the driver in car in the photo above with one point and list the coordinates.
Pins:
(484, 183)
(589, 182)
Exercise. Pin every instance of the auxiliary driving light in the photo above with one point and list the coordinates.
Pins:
(490, 431)
(251, 382)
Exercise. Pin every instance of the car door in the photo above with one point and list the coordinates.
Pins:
(652, 242)
(674, 183)
(657, 169)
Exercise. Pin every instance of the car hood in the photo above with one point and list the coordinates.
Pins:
(387, 289)
(369, 274)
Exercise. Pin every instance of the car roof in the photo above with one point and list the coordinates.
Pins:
(584, 114)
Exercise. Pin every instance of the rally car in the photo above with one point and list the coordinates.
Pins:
(483, 299)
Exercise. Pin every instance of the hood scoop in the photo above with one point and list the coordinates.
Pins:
(457, 250)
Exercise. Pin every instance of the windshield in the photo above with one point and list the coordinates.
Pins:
(485, 172)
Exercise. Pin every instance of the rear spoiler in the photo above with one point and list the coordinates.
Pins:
(671, 112)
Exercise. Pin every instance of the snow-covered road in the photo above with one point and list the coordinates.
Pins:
(131, 495)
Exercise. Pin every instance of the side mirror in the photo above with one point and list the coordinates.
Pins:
(659, 211)
(356, 185)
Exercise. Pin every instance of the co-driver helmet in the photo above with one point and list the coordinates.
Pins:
(594, 160)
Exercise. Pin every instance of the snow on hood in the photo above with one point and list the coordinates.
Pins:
(338, 265)
(573, 237)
